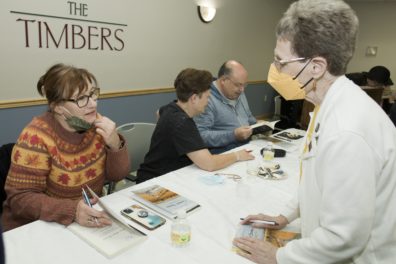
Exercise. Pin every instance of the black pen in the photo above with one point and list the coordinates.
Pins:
(282, 138)
(263, 222)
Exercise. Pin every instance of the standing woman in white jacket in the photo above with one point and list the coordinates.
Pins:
(347, 193)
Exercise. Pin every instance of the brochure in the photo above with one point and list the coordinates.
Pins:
(164, 201)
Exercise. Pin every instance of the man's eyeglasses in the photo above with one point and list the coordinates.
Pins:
(238, 84)
(82, 101)
(281, 63)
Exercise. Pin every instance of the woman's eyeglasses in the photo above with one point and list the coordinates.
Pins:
(281, 63)
(83, 100)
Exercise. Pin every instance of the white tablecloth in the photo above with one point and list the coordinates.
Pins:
(213, 225)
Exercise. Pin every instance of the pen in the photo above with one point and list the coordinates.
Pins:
(86, 199)
(263, 222)
(282, 138)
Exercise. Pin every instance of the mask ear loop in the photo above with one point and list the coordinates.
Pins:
(298, 74)
(66, 113)
(310, 80)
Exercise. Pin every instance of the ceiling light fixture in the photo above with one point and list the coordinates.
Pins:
(206, 13)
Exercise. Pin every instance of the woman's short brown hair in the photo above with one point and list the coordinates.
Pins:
(191, 81)
(62, 81)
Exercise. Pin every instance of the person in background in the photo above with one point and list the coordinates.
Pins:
(378, 76)
(347, 191)
(225, 122)
(176, 141)
(60, 152)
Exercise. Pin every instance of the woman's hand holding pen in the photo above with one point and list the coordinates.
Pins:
(260, 251)
(90, 217)
(265, 221)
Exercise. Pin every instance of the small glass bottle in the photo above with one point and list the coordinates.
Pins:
(180, 230)
(268, 152)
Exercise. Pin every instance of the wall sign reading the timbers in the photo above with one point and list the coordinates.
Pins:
(81, 33)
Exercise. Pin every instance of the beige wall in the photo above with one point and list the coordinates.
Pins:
(165, 36)
(377, 28)
(162, 37)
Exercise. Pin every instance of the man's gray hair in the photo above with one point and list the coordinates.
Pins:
(325, 28)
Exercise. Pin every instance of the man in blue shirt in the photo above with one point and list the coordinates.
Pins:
(225, 123)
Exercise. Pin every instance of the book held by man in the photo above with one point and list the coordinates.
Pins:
(164, 201)
(269, 124)
(110, 240)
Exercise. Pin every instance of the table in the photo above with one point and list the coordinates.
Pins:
(213, 225)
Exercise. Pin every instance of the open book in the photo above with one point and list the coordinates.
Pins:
(260, 123)
(110, 240)
(164, 201)
(290, 139)
(278, 238)
(290, 135)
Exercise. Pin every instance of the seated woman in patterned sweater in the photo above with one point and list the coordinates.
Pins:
(55, 156)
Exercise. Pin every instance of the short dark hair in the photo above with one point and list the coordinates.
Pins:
(192, 81)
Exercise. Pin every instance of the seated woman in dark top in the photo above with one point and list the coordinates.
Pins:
(176, 141)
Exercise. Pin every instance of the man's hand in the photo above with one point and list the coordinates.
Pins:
(243, 133)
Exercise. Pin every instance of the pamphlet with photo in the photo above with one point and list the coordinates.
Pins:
(164, 201)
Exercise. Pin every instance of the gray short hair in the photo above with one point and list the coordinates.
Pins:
(326, 28)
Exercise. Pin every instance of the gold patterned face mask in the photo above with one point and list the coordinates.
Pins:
(287, 86)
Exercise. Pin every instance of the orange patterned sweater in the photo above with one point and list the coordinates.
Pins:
(49, 166)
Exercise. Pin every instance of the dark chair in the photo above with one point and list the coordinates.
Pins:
(374, 92)
(307, 108)
(5, 162)
(288, 112)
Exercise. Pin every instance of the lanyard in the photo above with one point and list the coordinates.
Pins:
(309, 135)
